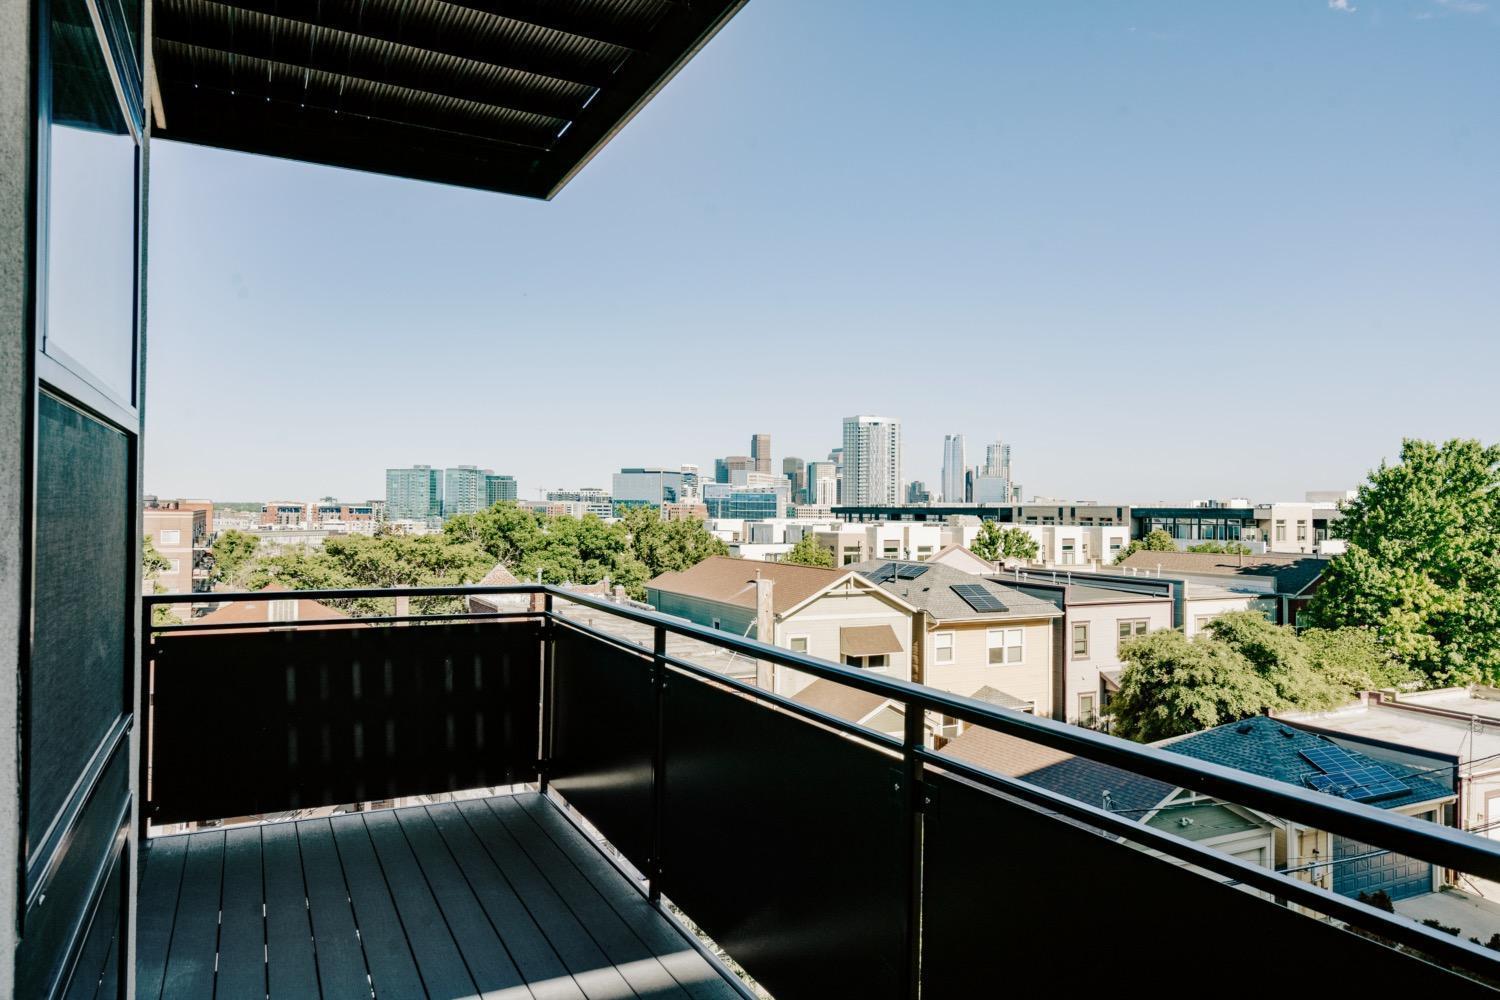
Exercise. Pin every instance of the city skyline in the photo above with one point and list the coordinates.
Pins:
(1201, 220)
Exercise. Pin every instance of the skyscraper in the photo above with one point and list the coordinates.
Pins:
(464, 490)
(760, 451)
(955, 464)
(795, 470)
(727, 466)
(413, 494)
(822, 484)
(498, 488)
(872, 461)
(691, 491)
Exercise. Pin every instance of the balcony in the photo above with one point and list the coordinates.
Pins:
(575, 798)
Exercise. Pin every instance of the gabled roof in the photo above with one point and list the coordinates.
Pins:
(960, 556)
(840, 700)
(258, 613)
(1271, 748)
(995, 696)
(727, 580)
(1075, 777)
(933, 592)
(507, 95)
(1292, 573)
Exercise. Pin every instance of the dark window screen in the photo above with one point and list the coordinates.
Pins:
(83, 576)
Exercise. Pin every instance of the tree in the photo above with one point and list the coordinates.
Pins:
(1157, 541)
(1422, 565)
(1172, 685)
(232, 552)
(807, 552)
(1241, 665)
(994, 543)
(1223, 548)
(669, 546)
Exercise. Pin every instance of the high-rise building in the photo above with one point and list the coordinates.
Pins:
(691, 488)
(795, 470)
(643, 487)
(954, 465)
(498, 489)
(413, 494)
(464, 490)
(872, 461)
(760, 452)
(822, 484)
(997, 460)
(916, 492)
(836, 456)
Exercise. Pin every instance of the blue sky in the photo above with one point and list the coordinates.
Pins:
(1167, 250)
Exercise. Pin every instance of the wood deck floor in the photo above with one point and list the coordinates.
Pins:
(494, 898)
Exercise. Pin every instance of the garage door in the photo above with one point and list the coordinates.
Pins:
(1354, 872)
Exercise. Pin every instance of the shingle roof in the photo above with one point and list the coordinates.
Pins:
(728, 581)
(933, 592)
(1075, 777)
(995, 696)
(1292, 573)
(1273, 749)
(839, 700)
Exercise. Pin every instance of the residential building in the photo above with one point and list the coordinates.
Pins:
(1272, 748)
(760, 452)
(498, 489)
(274, 611)
(414, 494)
(955, 466)
(464, 490)
(207, 506)
(855, 543)
(795, 470)
(834, 614)
(1208, 584)
(684, 511)
(180, 536)
(355, 518)
(975, 634)
(587, 500)
(997, 460)
(1302, 527)
(1065, 512)
(653, 487)
(822, 484)
(1217, 521)
(1451, 734)
(1095, 623)
(872, 460)
(287, 514)
(956, 556)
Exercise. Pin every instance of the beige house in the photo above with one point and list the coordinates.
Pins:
(835, 615)
(974, 634)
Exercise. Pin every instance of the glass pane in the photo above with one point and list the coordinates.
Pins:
(90, 321)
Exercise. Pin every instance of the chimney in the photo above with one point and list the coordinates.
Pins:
(765, 627)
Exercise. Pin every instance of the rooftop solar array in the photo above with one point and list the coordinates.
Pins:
(1347, 776)
(978, 598)
(897, 571)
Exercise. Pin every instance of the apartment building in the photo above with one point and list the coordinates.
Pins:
(180, 536)
(1206, 584)
(856, 543)
(1301, 527)
(872, 460)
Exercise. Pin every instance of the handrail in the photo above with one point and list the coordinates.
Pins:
(1428, 841)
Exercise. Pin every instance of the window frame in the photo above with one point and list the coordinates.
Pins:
(1073, 640)
(937, 648)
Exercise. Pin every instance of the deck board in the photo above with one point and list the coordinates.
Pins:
(490, 898)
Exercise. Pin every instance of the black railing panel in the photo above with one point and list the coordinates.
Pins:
(604, 737)
(786, 842)
(247, 723)
(1016, 896)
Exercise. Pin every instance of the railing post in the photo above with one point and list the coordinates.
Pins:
(658, 759)
(914, 804)
(143, 727)
(549, 636)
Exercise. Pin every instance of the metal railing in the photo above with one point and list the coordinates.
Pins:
(914, 764)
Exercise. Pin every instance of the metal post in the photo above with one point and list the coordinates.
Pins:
(914, 805)
(549, 635)
(142, 725)
(658, 760)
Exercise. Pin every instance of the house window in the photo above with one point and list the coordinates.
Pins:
(1080, 639)
(174, 565)
(1132, 627)
(170, 536)
(891, 550)
(1005, 645)
(1281, 531)
(942, 647)
(798, 643)
(1067, 553)
(1301, 531)
(867, 662)
(1086, 708)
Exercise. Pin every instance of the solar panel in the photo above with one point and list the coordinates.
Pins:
(910, 571)
(1349, 777)
(881, 573)
(978, 598)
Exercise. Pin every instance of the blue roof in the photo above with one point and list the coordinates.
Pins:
(1272, 749)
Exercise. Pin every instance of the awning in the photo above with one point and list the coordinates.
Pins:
(868, 640)
(1111, 678)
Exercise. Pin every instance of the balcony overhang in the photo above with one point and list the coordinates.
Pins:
(507, 95)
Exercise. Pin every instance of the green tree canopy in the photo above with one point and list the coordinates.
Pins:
(1157, 541)
(1241, 665)
(232, 553)
(1422, 568)
(807, 552)
(1224, 548)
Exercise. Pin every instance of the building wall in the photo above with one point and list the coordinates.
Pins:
(178, 536)
(1031, 679)
(1081, 674)
(1198, 611)
(821, 621)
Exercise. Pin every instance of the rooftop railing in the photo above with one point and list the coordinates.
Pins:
(824, 857)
